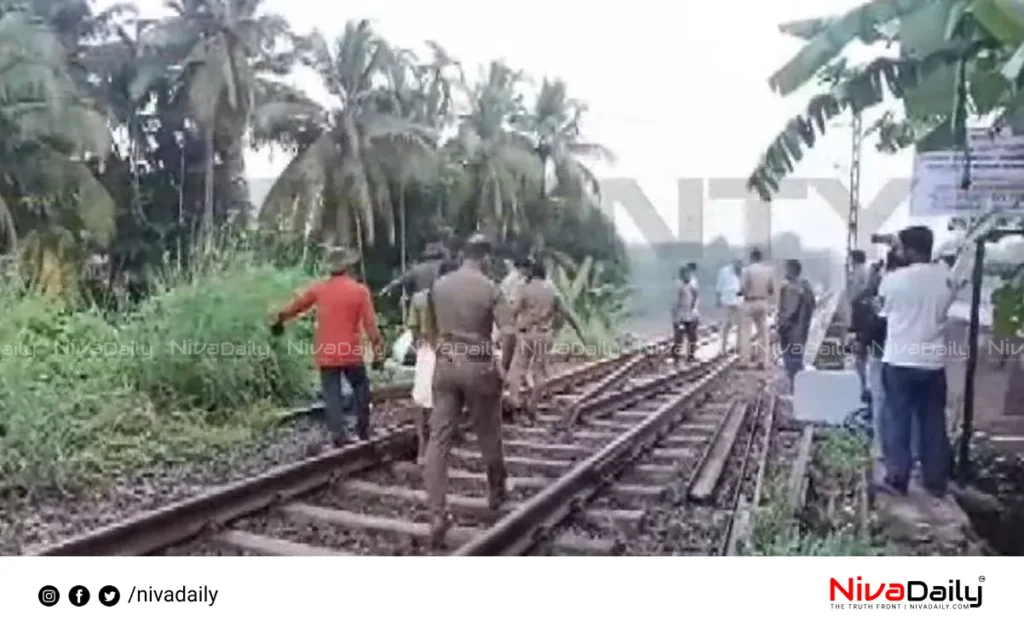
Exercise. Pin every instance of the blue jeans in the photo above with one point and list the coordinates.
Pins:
(878, 412)
(913, 393)
(345, 405)
(793, 362)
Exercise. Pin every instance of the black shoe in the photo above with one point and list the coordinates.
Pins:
(340, 441)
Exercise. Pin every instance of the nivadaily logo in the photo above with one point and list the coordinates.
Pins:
(910, 594)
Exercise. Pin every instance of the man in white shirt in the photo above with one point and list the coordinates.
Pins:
(727, 289)
(915, 299)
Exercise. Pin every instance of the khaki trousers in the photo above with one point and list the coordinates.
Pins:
(529, 369)
(476, 385)
(754, 314)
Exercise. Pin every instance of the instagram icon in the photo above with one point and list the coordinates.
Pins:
(49, 596)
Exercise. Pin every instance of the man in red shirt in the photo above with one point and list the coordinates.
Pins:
(344, 312)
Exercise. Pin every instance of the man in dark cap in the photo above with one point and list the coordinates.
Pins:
(344, 312)
(463, 308)
(421, 275)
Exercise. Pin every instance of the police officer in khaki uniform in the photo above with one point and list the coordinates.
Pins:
(757, 285)
(511, 286)
(535, 313)
(463, 307)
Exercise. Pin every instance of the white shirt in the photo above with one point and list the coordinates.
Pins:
(728, 286)
(915, 301)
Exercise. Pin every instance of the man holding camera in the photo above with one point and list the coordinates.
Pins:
(915, 299)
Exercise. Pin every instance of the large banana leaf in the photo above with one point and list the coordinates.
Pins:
(1004, 19)
(920, 34)
(865, 23)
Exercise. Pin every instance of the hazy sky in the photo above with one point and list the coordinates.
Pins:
(673, 93)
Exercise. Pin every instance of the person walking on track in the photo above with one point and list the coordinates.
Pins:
(685, 315)
(511, 286)
(757, 286)
(344, 312)
(727, 289)
(535, 313)
(423, 381)
(463, 307)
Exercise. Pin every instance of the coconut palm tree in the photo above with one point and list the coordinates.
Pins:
(49, 132)
(500, 172)
(218, 50)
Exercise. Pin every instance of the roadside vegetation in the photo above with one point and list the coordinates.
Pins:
(139, 265)
(834, 520)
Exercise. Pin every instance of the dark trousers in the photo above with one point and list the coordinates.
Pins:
(792, 360)
(684, 331)
(346, 393)
(915, 394)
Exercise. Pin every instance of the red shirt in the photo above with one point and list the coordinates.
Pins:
(343, 312)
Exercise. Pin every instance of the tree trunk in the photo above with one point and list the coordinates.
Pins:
(359, 246)
(402, 223)
(240, 200)
(206, 229)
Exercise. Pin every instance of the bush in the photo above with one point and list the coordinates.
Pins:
(85, 396)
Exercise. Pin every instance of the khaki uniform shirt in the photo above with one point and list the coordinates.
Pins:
(536, 307)
(466, 306)
(758, 282)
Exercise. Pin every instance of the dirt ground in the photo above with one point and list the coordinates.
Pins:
(999, 389)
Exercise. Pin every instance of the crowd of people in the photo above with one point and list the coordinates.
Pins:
(477, 345)
(746, 295)
(899, 310)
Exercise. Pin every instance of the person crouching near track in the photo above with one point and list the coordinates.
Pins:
(344, 312)
(424, 343)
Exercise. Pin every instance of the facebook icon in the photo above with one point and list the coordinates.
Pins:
(79, 596)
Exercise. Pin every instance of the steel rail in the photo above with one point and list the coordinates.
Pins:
(174, 523)
(522, 529)
(762, 416)
(578, 408)
(613, 401)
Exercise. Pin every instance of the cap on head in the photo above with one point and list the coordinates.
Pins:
(341, 258)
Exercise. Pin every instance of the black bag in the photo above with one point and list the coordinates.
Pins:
(863, 315)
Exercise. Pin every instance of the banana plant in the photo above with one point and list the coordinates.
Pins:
(597, 305)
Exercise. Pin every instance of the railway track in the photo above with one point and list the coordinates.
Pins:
(245, 518)
(668, 479)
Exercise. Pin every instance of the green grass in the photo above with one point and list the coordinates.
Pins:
(85, 396)
(777, 529)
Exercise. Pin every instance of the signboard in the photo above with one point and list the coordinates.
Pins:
(996, 169)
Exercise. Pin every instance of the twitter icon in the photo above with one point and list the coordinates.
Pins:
(109, 596)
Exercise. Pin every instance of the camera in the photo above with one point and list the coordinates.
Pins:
(887, 239)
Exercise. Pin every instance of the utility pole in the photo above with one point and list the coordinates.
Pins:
(855, 149)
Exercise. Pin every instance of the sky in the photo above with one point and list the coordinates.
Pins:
(673, 93)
